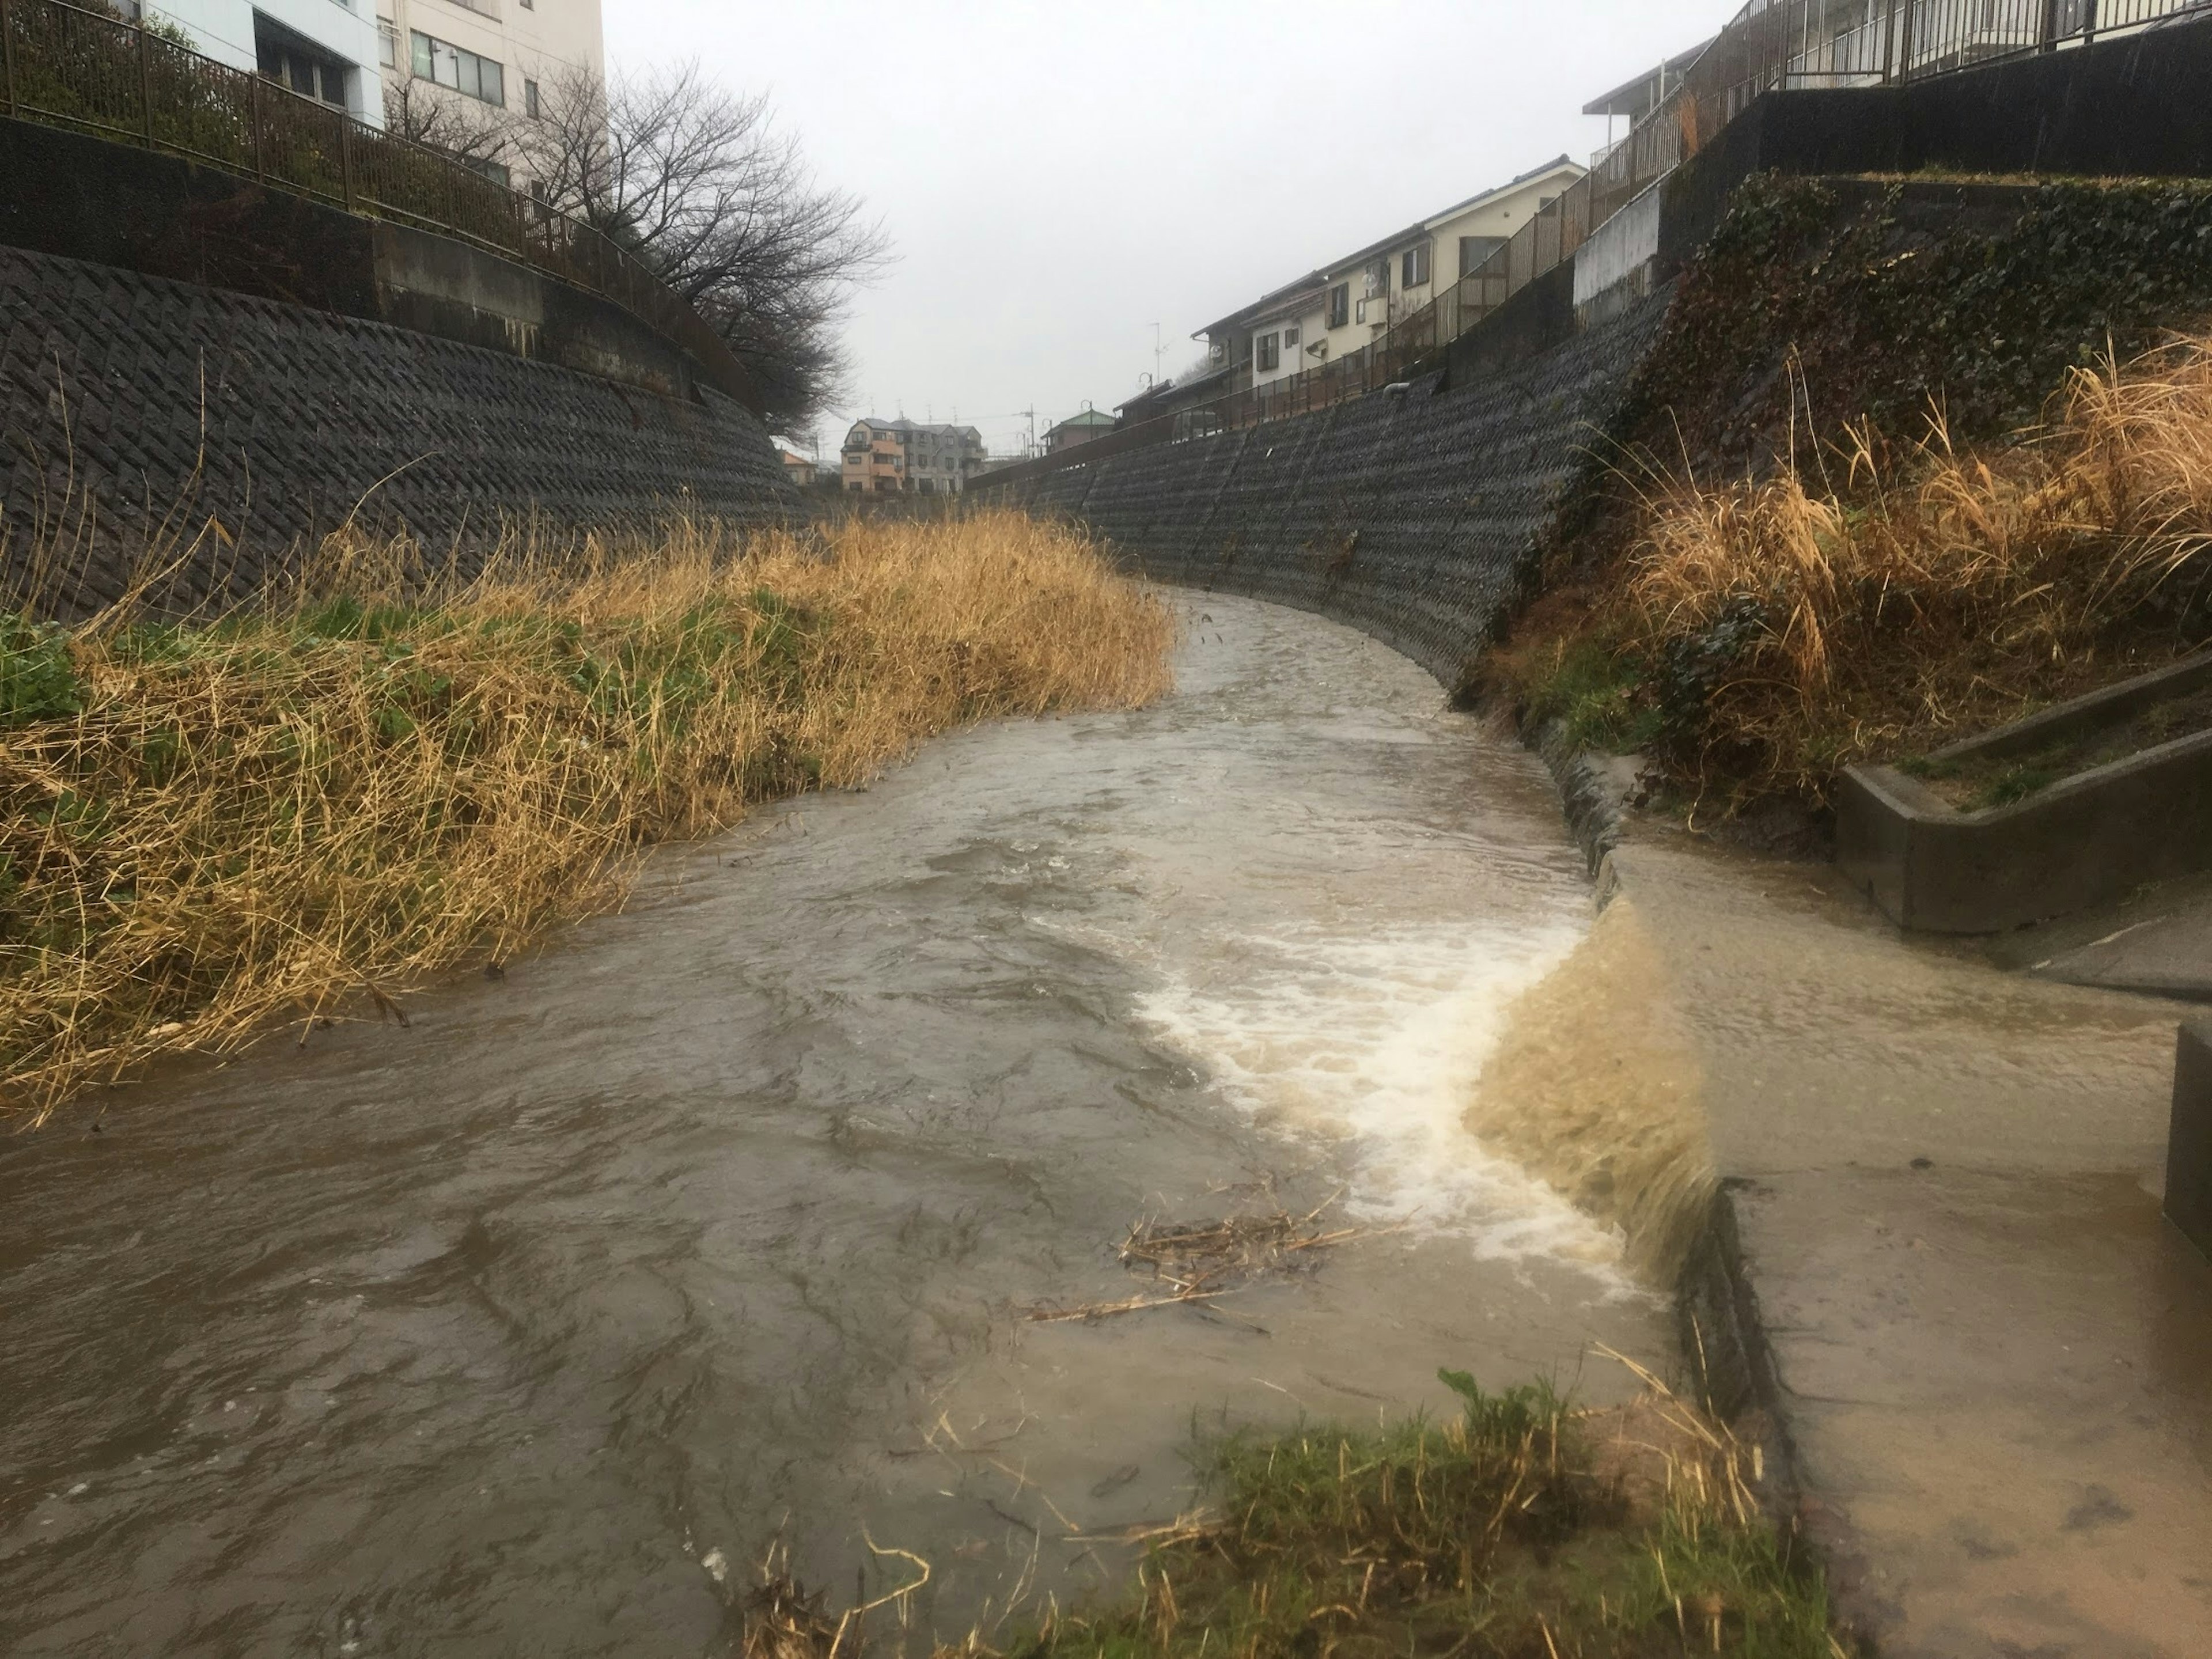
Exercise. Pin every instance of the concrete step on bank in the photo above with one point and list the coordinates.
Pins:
(1987, 1358)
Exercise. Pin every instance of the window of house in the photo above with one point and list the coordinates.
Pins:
(464, 71)
(1289, 338)
(1216, 352)
(529, 99)
(1377, 279)
(1474, 252)
(1339, 305)
(1270, 348)
(1413, 269)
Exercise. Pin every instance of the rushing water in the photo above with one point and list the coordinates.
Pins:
(526, 1329)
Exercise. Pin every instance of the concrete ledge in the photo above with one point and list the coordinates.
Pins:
(2086, 841)
(81, 198)
(2189, 1144)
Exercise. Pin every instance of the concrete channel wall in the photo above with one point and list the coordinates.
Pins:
(1412, 516)
(152, 399)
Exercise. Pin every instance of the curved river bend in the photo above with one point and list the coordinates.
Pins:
(526, 1330)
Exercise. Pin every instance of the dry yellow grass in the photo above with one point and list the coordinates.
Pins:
(1869, 602)
(211, 825)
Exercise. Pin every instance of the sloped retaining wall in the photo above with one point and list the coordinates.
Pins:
(1411, 515)
(279, 420)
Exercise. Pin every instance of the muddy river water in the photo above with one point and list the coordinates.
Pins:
(528, 1329)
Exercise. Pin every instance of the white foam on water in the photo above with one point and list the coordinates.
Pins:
(1376, 1044)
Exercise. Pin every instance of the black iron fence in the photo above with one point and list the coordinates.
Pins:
(90, 72)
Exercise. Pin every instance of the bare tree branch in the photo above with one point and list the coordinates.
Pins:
(696, 181)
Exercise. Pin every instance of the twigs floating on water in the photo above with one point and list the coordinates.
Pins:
(1198, 1262)
(782, 1621)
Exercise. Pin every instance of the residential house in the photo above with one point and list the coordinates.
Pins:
(797, 468)
(1078, 429)
(1344, 305)
(1173, 396)
(905, 457)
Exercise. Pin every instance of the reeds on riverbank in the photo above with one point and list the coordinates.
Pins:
(1872, 600)
(211, 825)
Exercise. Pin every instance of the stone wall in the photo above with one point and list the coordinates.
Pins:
(1415, 516)
(278, 421)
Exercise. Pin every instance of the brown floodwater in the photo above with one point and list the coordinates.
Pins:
(529, 1328)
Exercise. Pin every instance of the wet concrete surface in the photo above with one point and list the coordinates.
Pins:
(1994, 1357)
(2158, 942)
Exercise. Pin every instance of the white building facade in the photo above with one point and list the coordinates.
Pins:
(1343, 306)
(345, 52)
(322, 49)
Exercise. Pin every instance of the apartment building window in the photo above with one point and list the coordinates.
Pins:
(387, 43)
(1270, 348)
(1339, 305)
(294, 61)
(529, 99)
(1413, 269)
(464, 71)
(1474, 252)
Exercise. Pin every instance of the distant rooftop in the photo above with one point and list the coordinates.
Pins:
(902, 424)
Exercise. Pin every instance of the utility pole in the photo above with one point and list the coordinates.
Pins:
(1159, 350)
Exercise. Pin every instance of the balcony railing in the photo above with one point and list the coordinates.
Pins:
(89, 72)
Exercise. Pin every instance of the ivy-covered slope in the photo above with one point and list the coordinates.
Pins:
(1845, 300)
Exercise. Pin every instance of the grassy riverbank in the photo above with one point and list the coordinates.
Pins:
(1517, 1529)
(213, 826)
(1875, 599)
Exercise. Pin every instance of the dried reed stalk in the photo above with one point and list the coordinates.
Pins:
(377, 775)
(1898, 597)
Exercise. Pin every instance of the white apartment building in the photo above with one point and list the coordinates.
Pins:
(500, 53)
(504, 53)
(1343, 306)
(324, 49)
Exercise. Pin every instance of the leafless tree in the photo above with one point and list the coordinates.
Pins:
(701, 185)
(472, 132)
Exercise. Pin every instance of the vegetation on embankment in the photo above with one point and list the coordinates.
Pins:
(1517, 1529)
(1878, 490)
(381, 776)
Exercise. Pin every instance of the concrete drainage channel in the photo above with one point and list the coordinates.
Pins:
(1933, 1289)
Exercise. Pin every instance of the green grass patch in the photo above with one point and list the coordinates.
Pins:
(1517, 1527)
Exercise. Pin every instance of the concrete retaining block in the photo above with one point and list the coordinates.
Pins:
(2087, 839)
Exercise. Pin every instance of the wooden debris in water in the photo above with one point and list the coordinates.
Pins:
(1197, 1262)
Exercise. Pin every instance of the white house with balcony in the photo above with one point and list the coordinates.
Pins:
(1346, 304)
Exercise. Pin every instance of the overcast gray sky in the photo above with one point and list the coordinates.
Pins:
(1058, 178)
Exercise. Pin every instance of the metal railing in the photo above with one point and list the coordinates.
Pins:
(87, 71)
